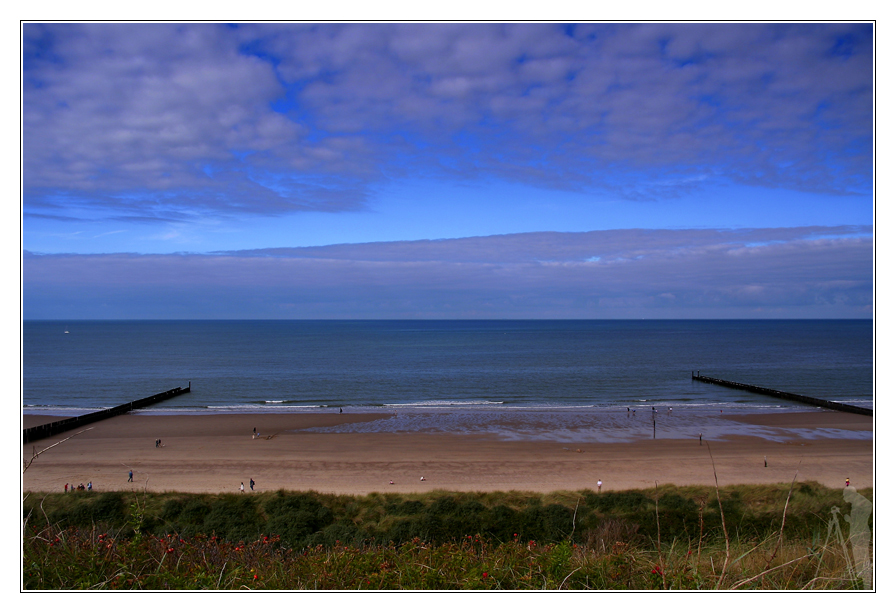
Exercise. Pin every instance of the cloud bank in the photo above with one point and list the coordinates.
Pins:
(794, 272)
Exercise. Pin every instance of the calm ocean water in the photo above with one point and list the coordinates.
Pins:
(446, 375)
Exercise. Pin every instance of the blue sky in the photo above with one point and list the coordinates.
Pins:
(255, 156)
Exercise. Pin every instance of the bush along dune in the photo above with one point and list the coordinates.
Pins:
(771, 537)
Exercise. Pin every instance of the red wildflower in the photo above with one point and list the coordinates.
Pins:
(485, 575)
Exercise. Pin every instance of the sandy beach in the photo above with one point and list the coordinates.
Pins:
(215, 453)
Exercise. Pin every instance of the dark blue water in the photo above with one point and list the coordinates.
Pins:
(258, 366)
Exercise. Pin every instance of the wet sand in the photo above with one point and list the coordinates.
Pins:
(808, 419)
(214, 453)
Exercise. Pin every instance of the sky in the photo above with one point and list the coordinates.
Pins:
(447, 170)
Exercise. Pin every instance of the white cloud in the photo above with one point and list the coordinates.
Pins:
(113, 108)
(661, 274)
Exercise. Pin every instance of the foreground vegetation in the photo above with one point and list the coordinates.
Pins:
(667, 538)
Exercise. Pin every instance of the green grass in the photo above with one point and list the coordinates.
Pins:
(666, 538)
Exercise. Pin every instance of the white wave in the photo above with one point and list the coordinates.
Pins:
(256, 408)
(444, 403)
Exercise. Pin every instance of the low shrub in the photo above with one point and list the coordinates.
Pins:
(295, 517)
(90, 508)
(587, 518)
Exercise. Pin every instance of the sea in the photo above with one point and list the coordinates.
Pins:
(569, 381)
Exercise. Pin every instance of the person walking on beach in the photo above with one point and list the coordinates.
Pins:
(66, 488)
(130, 476)
(242, 489)
(252, 484)
(599, 484)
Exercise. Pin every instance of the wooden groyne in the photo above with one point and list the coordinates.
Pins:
(57, 427)
(815, 402)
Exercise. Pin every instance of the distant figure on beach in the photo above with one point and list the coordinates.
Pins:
(130, 476)
(80, 487)
(340, 409)
(89, 485)
(66, 488)
(847, 482)
(701, 439)
(599, 484)
(391, 482)
(252, 484)
(242, 489)
(422, 479)
(254, 433)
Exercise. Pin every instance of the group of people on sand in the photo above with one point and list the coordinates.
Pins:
(79, 487)
(251, 486)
